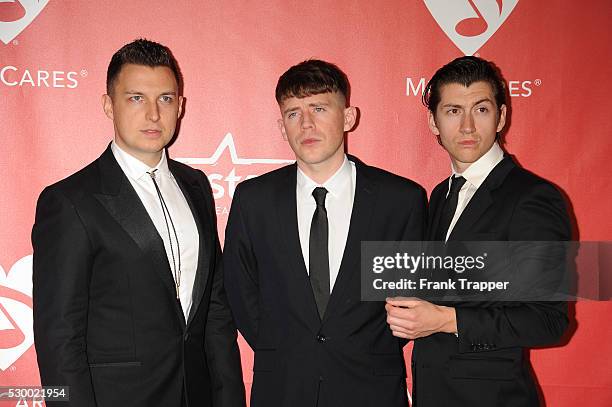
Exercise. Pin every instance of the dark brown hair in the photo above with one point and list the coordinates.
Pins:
(465, 71)
(312, 77)
(141, 52)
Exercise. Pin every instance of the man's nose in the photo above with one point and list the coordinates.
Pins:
(467, 123)
(153, 112)
(307, 120)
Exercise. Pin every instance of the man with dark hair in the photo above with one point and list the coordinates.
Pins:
(129, 305)
(472, 353)
(292, 257)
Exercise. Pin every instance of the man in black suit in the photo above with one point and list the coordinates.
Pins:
(472, 353)
(129, 305)
(292, 257)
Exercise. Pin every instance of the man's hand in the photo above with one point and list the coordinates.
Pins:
(412, 318)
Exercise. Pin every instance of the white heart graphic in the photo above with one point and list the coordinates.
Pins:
(11, 29)
(14, 312)
(477, 19)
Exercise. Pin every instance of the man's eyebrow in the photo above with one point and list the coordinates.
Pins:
(137, 92)
(318, 104)
(484, 100)
(290, 109)
(311, 104)
(452, 105)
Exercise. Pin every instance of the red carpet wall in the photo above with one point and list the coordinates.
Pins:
(555, 55)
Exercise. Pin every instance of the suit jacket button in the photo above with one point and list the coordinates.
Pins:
(321, 338)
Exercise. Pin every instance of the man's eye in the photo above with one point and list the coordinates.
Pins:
(291, 115)
(136, 98)
(166, 99)
(453, 111)
(482, 109)
(319, 109)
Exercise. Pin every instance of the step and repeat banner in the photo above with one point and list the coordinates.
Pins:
(555, 56)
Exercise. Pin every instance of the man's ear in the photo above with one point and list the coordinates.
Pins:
(350, 118)
(180, 107)
(431, 119)
(107, 106)
(281, 127)
(502, 118)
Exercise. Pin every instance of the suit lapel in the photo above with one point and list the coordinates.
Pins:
(481, 200)
(123, 204)
(363, 206)
(192, 191)
(290, 237)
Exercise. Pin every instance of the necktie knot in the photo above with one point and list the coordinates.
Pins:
(456, 184)
(319, 194)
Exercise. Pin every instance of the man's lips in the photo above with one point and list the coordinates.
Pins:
(309, 141)
(467, 143)
(151, 132)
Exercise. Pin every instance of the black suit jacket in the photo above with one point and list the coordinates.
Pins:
(106, 319)
(350, 358)
(486, 364)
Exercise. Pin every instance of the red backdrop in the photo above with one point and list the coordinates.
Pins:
(555, 55)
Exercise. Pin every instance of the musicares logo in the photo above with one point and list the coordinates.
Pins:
(224, 178)
(470, 23)
(16, 15)
(16, 334)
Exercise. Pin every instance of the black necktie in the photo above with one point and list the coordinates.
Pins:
(318, 265)
(449, 208)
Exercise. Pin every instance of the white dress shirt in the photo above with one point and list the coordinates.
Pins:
(137, 173)
(474, 176)
(339, 206)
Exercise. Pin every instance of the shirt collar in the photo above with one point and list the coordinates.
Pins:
(136, 169)
(334, 185)
(479, 170)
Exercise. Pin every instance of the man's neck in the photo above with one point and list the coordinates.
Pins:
(321, 172)
(460, 167)
(149, 159)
